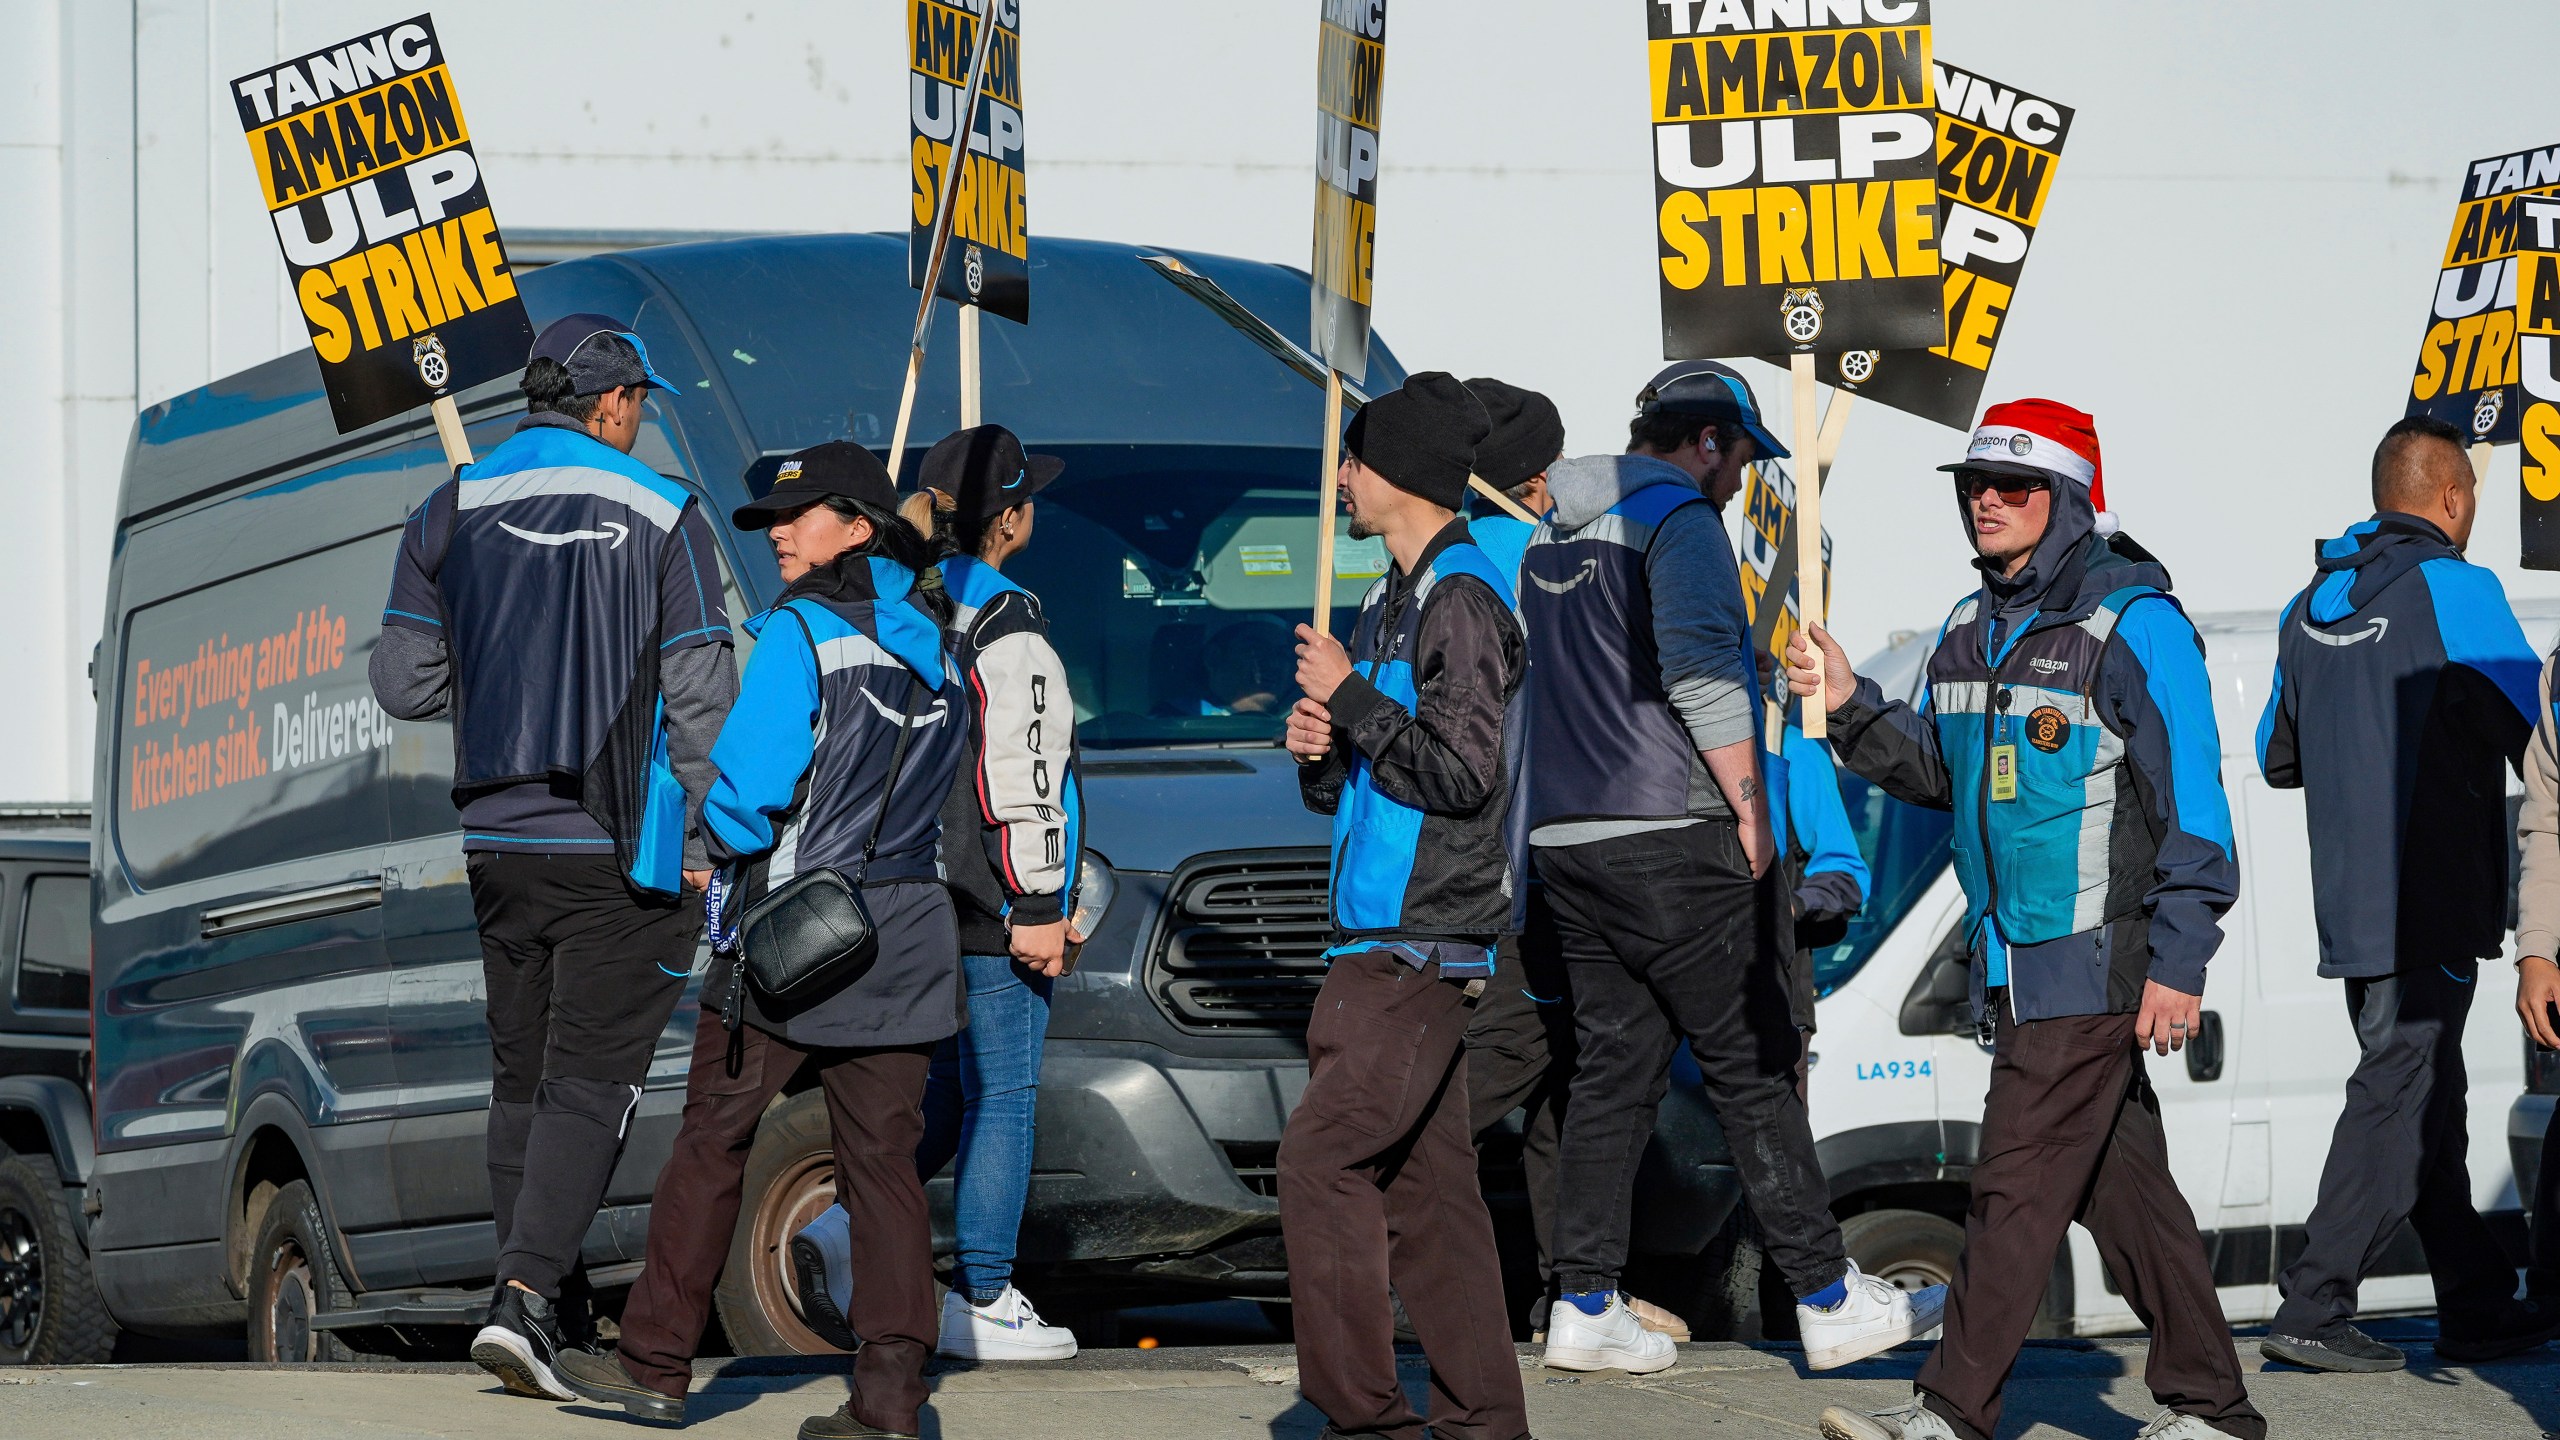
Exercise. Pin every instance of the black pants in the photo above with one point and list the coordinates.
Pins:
(1377, 1188)
(2071, 1131)
(2399, 1153)
(582, 973)
(1665, 934)
(1520, 1057)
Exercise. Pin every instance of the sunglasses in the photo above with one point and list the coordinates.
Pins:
(2013, 491)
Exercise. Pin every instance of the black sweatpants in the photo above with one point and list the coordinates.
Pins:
(1665, 934)
(1520, 1057)
(2400, 1152)
(583, 971)
(2071, 1131)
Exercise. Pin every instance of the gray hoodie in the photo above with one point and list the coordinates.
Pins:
(1700, 635)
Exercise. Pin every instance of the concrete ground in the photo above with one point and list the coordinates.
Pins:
(2077, 1388)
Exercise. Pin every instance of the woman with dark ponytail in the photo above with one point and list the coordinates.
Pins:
(848, 730)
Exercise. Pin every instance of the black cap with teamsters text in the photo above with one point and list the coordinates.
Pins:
(838, 467)
(984, 470)
(599, 352)
(1422, 436)
(1528, 434)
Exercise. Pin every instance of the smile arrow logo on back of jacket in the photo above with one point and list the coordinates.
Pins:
(2370, 632)
(614, 530)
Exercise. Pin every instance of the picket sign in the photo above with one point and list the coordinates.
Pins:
(457, 445)
(936, 249)
(1809, 594)
(1325, 500)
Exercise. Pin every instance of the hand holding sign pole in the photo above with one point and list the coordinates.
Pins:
(936, 248)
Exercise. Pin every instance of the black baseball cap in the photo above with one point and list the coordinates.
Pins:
(598, 351)
(804, 477)
(1710, 390)
(984, 470)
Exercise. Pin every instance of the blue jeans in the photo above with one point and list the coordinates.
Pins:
(978, 1104)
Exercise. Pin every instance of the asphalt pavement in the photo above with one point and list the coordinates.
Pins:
(2076, 1388)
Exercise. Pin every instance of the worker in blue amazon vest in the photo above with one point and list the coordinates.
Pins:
(560, 602)
(1407, 739)
(2403, 692)
(1828, 875)
(2067, 700)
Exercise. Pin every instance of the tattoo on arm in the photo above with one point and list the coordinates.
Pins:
(1750, 788)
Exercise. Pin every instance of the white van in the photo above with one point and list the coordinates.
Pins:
(1898, 1077)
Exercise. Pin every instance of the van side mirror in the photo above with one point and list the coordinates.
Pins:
(2204, 1049)
(1941, 998)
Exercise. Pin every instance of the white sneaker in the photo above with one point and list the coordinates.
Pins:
(1908, 1421)
(1005, 1328)
(2174, 1425)
(822, 1261)
(1614, 1339)
(1876, 1316)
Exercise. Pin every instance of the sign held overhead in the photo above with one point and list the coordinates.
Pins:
(2466, 371)
(1796, 196)
(1351, 69)
(990, 223)
(2537, 322)
(368, 176)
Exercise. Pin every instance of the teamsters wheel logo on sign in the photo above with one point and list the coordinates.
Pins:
(2484, 411)
(1802, 309)
(974, 271)
(1857, 367)
(427, 353)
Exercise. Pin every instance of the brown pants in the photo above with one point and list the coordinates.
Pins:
(1378, 1186)
(2071, 1131)
(875, 1112)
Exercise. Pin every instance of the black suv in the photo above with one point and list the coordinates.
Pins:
(50, 1313)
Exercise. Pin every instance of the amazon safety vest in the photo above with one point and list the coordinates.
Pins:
(1609, 744)
(2039, 781)
(1396, 870)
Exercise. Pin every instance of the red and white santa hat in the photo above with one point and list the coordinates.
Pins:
(2041, 439)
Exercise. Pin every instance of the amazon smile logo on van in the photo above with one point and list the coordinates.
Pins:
(614, 530)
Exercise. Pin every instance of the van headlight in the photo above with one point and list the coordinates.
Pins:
(1096, 888)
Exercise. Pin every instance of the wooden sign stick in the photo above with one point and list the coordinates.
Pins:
(1809, 586)
(1325, 502)
(964, 124)
(2481, 455)
(457, 445)
(971, 416)
(1511, 507)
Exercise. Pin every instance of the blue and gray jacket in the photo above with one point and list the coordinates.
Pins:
(1811, 827)
(1425, 760)
(2403, 689)
(557, 574)
(2069, 725)
(847, 658)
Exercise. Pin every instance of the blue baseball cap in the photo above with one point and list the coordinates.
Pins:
(1710, 390)
(599, 352)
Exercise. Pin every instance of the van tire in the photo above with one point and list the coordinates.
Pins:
(1912, 1248)
(44, 1267)
(790, 1180)
(293, 1276)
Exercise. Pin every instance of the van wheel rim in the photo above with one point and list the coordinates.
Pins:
(797, 1196)
(21, 1284)
(289, 1305)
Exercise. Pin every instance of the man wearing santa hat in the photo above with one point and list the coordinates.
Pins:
(2070, 728)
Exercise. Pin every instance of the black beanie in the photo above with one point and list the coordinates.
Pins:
(1422, 437)
(1527, 435)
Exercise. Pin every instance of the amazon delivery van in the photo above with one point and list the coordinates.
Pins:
(1898, 1076)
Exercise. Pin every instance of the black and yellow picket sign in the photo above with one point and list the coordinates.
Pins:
(1796, 200)
(1351, 71)
(990, 224)
(2537, 325)
(1998, 148)
(2466, 373)
(368, 175)
(1768, 557)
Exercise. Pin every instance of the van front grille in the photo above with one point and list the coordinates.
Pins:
(1241, 945)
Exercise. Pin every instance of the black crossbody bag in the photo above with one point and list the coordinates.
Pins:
(814, 934)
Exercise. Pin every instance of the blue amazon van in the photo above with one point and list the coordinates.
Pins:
(292, 1065)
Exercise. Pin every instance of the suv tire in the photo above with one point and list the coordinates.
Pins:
(50, 1309)
(293, 1276)
(790, 1181)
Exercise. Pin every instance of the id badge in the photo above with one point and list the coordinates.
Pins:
(2004, 772)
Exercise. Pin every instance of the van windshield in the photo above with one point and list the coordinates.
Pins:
(1174, 577)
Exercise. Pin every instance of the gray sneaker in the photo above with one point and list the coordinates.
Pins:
(2171, 1425)
(1910, 1420)
(2348, 1350)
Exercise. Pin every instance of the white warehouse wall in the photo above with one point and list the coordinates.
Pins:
(2232, 273)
